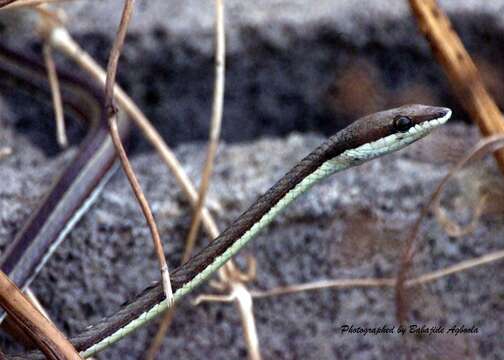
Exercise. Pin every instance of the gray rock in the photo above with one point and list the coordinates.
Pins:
(291, 65)
(352, 225)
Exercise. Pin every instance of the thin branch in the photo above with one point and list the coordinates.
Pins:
(325, 284)
(461, 266)
(116, 138)
(5, 151)
(452, 228)
(44, 334)
(27, 3)
(242, 297)
(460, 69)
(215, 126)
(61, 39)
(56, 96)
(482, 148)
(370, 282)
(227, 298)
(4, 3)
(33, 299)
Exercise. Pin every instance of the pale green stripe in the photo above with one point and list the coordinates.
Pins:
(345, 160)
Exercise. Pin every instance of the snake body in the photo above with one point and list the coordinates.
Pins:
(365, 139)
(79, 184)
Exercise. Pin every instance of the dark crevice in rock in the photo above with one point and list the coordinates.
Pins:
(309, 83)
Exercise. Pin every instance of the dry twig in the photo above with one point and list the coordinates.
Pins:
(116, 138)
(460, 69)
(33, 299)
(5, 151)
(230, 277)
(61, 39)
(13, 4)
(4, 3)
(482, 148)
(215, 127)
(453, 229)
(368, 282)
(56, 96)
(325, 284)
(44, 334)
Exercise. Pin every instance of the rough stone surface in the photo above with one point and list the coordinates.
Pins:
(352, 225)
(291, 65)
(193, 20)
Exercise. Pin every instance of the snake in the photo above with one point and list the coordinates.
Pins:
(367, 138)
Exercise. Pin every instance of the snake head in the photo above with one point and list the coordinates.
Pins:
(387, 131)
(417, 117)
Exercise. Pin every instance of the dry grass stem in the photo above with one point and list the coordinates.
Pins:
(325, 284)
(116, 138)
(56, 96)
(229, 275)
(61, 39)
(368, 282)
(5, 151)
(226, 298)
(113, 60)
(28, 3)
(33, 299)
(44, 334)
(243, 301)
(164, 326)
(4, 3)
(461, 266)
(215, 126)
(460, 69)
(455, 230)
(242, 297)
(36, 303)
(483, 147)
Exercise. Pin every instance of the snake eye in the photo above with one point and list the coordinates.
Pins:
(402, 123)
